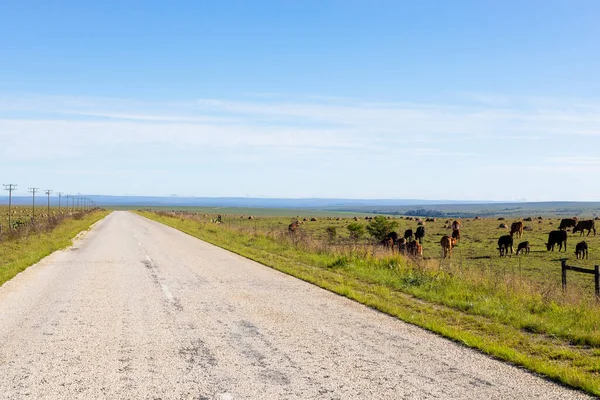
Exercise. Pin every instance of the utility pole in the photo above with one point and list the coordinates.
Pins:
(48, 192)
(60, 194)
(10, 187)
(73, 202)
(33, 191)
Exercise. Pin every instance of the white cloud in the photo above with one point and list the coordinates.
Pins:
(330, 138)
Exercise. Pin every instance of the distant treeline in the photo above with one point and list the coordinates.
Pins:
(424, 212)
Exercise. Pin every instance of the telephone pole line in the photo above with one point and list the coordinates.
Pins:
(9, 187)
(33, 191)
(48, 192)
(60, 194)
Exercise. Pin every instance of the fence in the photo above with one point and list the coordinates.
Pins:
(595, 272)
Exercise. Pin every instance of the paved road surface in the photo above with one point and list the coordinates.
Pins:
(137, 310)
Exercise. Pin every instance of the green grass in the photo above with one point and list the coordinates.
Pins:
(17, 255)
(510, 307)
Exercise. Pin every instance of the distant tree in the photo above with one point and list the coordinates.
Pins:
(356, 230)
(331, 232)
(380, 226)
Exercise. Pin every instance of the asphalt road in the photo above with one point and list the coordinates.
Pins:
(137, 310)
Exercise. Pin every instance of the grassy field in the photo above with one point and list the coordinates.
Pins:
(25, 213)
(18, 254)
(510, 307)
(261, 212)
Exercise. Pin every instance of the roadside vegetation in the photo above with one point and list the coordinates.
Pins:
(27, 242)
(512, 308)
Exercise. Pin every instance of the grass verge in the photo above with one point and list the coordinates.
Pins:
(545, 337)
(17, 255)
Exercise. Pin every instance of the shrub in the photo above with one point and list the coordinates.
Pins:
(380, 226)
(356, 230)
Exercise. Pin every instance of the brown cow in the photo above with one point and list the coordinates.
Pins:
(388, 243)
(456, 225)
(447, 244)
(402, 245)
(293, 227)
(587, 225)
(414, 248)
(517, 227)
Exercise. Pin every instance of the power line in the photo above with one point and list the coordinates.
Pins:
(9, 187)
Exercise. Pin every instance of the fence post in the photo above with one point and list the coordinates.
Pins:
(564, 274)
(597, 280)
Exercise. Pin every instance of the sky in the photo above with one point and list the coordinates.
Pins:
(456, 100)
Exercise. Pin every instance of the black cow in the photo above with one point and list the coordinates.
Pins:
(408, 235)
(504, 243)
(392, 235)
(587, 225)
(420, 234)
(523, 247)
(581, 250)
(456, 235)
(567, 223)
(557, 237)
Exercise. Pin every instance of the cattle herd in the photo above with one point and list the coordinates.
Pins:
(411, 242)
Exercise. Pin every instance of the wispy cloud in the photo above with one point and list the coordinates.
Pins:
(309, 137)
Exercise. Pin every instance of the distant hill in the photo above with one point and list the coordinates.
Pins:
(140, 201)
(433, 208)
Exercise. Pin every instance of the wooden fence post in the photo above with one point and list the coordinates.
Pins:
(564, 274)
(597, 280)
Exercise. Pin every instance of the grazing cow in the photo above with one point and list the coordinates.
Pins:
(456, 235)
(557, 238)
(504, 244)
(420, 234)
(447, 244)
(517, 227)
(392, 235)
(408, 235)
(402, 245)
(293, 227)
(581, 250)
(587, 225)
(523, 247)
(388, 243)
(455, 225)
(567, 223)
(414, 248)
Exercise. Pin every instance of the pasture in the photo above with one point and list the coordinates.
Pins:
(477, 250)
(512, 307)
(24, 213)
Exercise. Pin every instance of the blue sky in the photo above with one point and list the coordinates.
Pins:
(359, 99)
